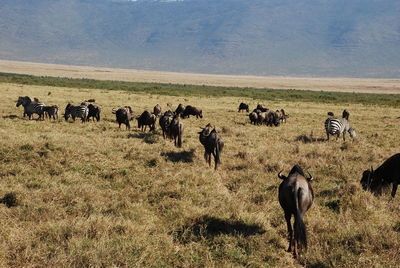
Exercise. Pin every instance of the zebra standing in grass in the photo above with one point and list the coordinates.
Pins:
(81, 111)
(335, 126)
(31, 107)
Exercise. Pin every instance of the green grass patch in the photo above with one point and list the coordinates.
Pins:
(208, 91)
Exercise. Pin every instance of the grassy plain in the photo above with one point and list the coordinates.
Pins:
(91, 195)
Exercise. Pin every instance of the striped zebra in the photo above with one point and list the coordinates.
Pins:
(81, 111)
(31, 107)
(334, 126)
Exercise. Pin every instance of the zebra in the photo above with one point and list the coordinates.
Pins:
(31, 107)
(334, 126)
(81, 111)
(51, 111)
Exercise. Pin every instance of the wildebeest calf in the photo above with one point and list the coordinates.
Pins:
(213, 144)
(383, 176)
(243, 106)
(296, 197)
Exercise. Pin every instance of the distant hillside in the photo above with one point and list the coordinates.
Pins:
(352, 38)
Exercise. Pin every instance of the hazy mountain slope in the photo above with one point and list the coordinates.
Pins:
(287, 37)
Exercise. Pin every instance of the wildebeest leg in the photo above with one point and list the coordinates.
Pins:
(394, 189)
(215, 159)
(290, 230)
(344, 134)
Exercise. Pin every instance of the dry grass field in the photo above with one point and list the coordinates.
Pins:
(365, 85)
(91, 195)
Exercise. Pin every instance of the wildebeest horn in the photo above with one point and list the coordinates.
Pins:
(280, 176)
(310, 178)
(372, 170)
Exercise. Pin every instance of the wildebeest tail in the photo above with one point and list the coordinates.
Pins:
(300, 232)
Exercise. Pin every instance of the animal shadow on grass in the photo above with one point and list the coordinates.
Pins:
(183, 156)
(209, 227)
(308, 139)
(149, 138)
(11, 116)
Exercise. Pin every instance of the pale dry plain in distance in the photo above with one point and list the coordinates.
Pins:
(91, 195)
(381, 86)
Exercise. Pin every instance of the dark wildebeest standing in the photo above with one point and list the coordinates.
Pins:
(383, 176)
(164, 122)
(51, 111)
(179, 110)
(94, 111)
(213, 144)
(282, 116)
(243, 106)
(176, 131)
(157, 110)
(253, 118)
(191, 110)
(124, 115)
(345, 114)
(146, 119)
(261, 108)
(272, 119)
(31, 107)
(296, 197)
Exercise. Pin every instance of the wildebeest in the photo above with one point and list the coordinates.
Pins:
(164, 122)
(31, 107)
(383, 176)
(157, 110)
(124, 115)
(272, 119)
(282, 115)
(179, 110)
(243, 106)
(261, 108)
(176, 131)
(146, 119)
(191, 110)
(296, 197)
(51, 111)
(94, 111)
(213, 144)
(81, 111)
(253, 118)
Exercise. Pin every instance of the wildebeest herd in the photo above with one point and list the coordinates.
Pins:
(295, 192)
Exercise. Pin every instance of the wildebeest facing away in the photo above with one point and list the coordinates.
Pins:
(213, 144)
(124, 115)
(272, 119)
(164, 122)
(282, 115)
(176, 131)
(191, 110)
(51, 111)
(243, 106)
(383, 176)
(253, 118)
(146, 119)
(296, 197)
(179, 110)
(94, 111)
(157, 110)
